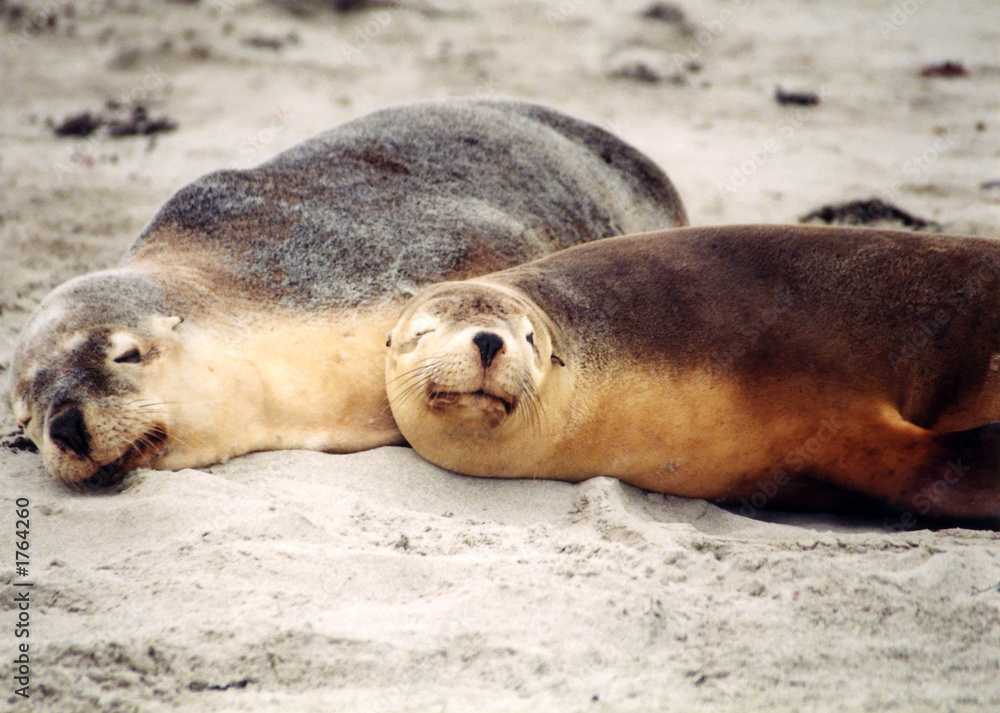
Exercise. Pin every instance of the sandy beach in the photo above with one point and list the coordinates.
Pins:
(302, 581)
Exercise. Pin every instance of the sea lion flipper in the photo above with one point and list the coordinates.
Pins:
(965, 480)
(926, 473)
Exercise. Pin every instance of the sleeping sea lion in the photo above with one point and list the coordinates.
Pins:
(251, 313)
(770, 365)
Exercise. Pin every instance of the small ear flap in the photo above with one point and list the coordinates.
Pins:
(165, 324)
(559, 361)
(21, 413)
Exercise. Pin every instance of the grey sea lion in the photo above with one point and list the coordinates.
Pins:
(250, 314)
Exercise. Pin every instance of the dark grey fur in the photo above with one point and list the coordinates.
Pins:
(411, 195)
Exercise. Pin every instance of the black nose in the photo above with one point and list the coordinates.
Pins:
(68, 431)
(489, 344)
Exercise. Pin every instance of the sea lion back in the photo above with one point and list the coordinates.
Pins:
(407, 196)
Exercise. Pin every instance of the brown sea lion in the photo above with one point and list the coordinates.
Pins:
(765, 364)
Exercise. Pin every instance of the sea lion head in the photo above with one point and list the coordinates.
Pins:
(469, 360)
(86, 373)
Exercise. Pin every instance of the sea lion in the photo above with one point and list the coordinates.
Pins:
(759, 364)
(251, 313)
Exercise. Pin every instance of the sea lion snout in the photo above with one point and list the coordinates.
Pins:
(68, 430)
(489, 344)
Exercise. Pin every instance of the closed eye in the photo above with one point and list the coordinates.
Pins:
(132, 356)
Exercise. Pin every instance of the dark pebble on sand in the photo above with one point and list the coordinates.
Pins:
(83, 124)
(795, 98)
(945, 70)
(136, 123)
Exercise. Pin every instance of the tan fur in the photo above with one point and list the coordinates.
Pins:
(287, 384)
(272, 380)
(250, 314)
(763, 363)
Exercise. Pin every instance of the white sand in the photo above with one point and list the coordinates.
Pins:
(375, 582)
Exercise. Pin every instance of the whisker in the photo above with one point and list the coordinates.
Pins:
(410, 391)
(415, 380)
(141, 405)
(531, 403)
(536, 405)
(416, 369)
(416, 383)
